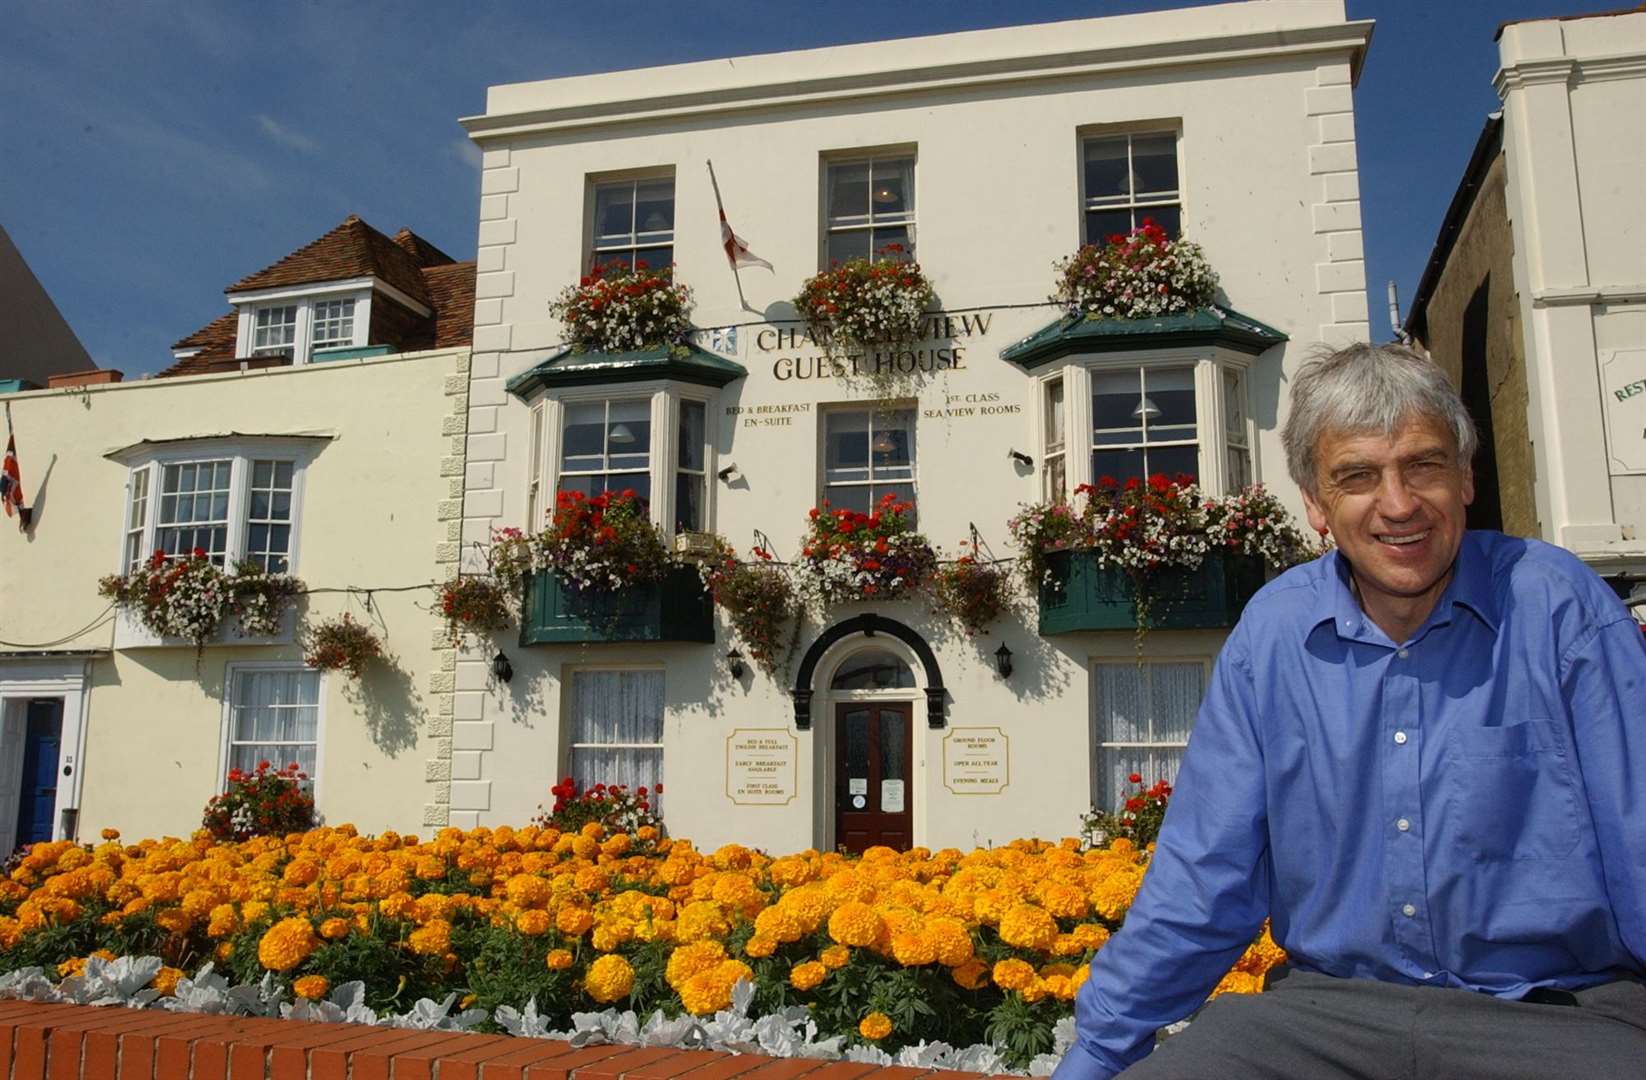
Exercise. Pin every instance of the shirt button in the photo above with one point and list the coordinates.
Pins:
(1402, 654)
(1403, 825)
(1408, 910)
(1400, 737)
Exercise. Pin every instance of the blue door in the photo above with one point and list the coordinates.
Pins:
(37, 806)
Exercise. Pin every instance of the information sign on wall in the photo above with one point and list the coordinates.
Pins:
(976, 761)
(1623, 388)
(761, 766)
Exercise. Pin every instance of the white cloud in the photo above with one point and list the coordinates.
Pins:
(285, 136)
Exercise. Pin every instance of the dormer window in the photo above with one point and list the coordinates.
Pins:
(275, 330)
(333, 325)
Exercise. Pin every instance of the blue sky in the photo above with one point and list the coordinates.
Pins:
(155, 152)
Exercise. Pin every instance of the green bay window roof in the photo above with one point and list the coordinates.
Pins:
(1215, 326)
(682, 363)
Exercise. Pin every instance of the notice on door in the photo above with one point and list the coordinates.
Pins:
(761, 767)
(1623, 390)
(891, 796)
(976, 761)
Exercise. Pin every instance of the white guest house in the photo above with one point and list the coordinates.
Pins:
(987, 157)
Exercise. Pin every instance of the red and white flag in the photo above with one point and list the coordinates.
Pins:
(11, 485)
(737, 252)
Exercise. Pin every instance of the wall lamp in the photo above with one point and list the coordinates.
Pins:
(734, 661)
(1021, 458)
(728, 472)
(502, 670)
(1003, 661)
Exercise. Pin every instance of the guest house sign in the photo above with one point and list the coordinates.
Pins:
(976, 761)
(761, 766)
(1623, 379)
(944, 339)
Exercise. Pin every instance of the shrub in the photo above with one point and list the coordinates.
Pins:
(264, 802)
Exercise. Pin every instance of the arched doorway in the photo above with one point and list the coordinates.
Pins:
(872, 675)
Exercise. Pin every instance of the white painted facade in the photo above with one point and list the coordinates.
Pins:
(1574, 92)
(1258, 97)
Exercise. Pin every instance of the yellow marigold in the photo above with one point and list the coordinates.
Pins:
(913, 949)
(875, 1026)
(301, 872)
(593, 830)
(951, 940)
(574, 921)
(807, 976)
(609, 934)
(616, 845)
(252, 910)
(558, 959)
(1122, 846)
(690, 959)
(646, 832)
(430, 868)
(433, 938)
(835, 957)
(610, 979)
(790, 871)
(1114, 894)
(1063, 901)
(971, 975)
(1012, 974)
(992, 905)
(334, 929)
(311, 987)
(1028, 927)
(1239, 982)
(710, 991)
(780, 924)
(533, 922)
(1090, 936)
(224, 950)
(701, 920)
(286, 944)
(528, 891)
(855, 923)
(165, 980)
(585, 847)
(111, 834)
(175, 920)
(810, 904)
(1037, 990)
(760, 946)
(74, 966)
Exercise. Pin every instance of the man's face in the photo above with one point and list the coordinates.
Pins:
(1395, 507)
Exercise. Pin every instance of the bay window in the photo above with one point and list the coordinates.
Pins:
(1143, 422)
(868, 454)
(1054, 468)
(605, 445)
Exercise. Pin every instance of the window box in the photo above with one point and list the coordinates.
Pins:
(1083, 596)
(130, 633)
(678, 608)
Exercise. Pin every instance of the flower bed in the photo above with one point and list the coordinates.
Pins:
(533, 925)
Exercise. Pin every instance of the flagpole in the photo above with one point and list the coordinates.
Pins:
(721, 208)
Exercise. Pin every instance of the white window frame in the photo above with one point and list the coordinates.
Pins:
(664, 397)
(1101, 748)
(1052, 448)
(596, 256)
(320, 313)
(241, 453)
(569, 702)
(306, 298)
(225, 741)
(1138, 207)
(536, 469)
(871, 408)
(905, 219)
(258, 327)
(1208, 365)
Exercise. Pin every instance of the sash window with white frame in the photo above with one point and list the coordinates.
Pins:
(1239, 467)
(1144, 422)
(534, 472)
(691, 469)
(605, 445)
(869, 206)
(274, 329)
(273, 716)
(1145, 710)
(1127, 178)
(1054, 464)
(235, 505)
(615, 730)
(868, 454)
(633, 223)
(332, 325)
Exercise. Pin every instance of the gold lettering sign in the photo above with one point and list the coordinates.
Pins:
(935, 351)
(761, 766)
(976, 761)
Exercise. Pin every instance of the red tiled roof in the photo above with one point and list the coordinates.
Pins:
(451, 294)
(353, 249)
(217, 334)
(206, 363)
(424, 252)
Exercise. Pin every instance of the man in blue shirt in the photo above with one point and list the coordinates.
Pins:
(1424, 756)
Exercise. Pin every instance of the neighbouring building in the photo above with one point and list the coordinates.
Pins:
(35, 341)
(315, 430)
(1534, 299)
(992, 154)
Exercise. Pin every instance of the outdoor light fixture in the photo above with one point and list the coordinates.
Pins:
(1145, 410)
(502, 670)
(728, 472)
(621, 433)
(734, 660)
(1021, 458)
(1003, 661)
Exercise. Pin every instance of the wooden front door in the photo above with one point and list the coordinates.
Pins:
(872, 796)
(37, 805)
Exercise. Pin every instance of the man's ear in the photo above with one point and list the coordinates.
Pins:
(1468, 485)
(1317, 513)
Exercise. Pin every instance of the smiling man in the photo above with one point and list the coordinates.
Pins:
(1424, 757)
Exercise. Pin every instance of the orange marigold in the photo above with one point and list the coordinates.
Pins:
(610, 978)
(875, 1026)
(311, 987)
(286, 944)
(808, 975)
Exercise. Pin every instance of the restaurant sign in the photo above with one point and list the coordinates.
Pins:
(1623, 378)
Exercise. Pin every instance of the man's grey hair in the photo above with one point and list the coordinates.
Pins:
(1363, 389)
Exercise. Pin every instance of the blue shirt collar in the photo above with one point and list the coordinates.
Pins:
(1470, 587)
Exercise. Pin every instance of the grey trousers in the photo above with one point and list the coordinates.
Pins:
(1316, 1027)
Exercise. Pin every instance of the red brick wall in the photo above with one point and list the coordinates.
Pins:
(82, 1042)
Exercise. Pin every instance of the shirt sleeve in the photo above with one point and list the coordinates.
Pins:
(1604, 683)
(1203, 899)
